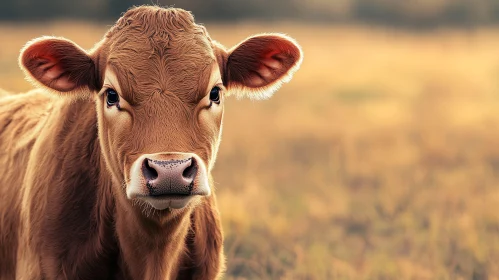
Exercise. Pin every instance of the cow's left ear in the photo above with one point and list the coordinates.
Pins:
(259, 65)
(58, 64)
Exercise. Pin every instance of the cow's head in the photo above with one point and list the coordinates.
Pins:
(159, 84)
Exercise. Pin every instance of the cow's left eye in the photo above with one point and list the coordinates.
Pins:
(112, 97)
(215, 94)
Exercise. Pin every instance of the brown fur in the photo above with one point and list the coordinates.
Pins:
(66, 157)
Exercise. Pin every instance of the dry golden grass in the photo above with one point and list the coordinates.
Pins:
(378, 161)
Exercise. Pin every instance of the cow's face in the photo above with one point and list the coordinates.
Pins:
(159, 84)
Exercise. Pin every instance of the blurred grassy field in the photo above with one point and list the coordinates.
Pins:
(378, 161)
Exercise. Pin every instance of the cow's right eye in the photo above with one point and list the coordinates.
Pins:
(112, 97)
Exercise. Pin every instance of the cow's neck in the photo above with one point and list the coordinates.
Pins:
(150, 250)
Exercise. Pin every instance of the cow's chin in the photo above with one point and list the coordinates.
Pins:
(168, 181)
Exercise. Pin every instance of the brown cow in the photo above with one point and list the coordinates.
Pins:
(105, 170)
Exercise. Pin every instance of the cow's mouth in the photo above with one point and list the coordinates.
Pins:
(161, 202)
(174, 200)
(169, 200)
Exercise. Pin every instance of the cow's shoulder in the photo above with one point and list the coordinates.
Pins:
(21, 120)
(22, 117)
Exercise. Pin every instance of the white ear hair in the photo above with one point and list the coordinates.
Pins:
(258, 66)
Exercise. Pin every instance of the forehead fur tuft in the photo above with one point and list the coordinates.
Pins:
(150, 19)
(154, 49)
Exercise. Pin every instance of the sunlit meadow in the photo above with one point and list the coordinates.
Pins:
(379, 160)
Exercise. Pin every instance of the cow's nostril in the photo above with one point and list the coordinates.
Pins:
(149, 172)
(191, 170)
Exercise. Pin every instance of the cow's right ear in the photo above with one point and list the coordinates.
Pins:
(58, 64)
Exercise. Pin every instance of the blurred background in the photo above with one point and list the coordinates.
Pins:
(379, 160)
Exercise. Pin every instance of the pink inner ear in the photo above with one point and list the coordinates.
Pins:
(50, 73)
(58, 64)
(269, 69)
(261, 61)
